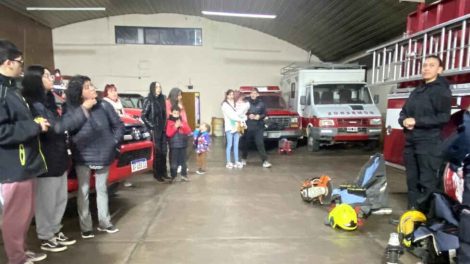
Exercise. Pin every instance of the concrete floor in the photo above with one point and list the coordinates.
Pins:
(253, 215)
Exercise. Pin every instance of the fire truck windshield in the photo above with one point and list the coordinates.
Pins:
(341, 94)
(273, 101)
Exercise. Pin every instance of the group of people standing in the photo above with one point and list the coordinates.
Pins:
(168, 122)
(36, 144)
(243, 120)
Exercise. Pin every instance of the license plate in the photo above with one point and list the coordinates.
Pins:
(351, 129)
(137, 165)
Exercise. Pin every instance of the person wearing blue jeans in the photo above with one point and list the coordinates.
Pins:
(231, 119)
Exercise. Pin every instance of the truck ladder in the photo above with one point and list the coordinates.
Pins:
(401, 60)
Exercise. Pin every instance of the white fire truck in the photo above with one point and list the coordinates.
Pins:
(333, 102)
(441, 29)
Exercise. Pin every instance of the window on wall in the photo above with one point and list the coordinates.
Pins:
(158, 36)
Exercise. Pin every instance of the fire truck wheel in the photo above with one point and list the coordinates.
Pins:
(371, 145)
(313, 145)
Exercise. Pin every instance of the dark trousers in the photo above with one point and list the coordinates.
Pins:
(422, 177)
(159, 158)
(257, 136)
(177, 158)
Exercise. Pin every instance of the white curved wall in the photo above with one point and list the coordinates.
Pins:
(231, 56)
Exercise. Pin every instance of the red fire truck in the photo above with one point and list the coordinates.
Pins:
(280, 122)
(441, 29)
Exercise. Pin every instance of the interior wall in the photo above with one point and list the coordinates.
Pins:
(231, 56)
(32, 38)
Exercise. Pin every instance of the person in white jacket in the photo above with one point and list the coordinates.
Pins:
(231, 117)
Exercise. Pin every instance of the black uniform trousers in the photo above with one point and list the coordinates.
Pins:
(422, 174)
(258, 136)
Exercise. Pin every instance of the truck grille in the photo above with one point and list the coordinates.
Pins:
(126, 157)
(352, 121)
(277, 123)
(135, 133)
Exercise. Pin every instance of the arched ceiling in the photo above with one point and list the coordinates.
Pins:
(330, 29)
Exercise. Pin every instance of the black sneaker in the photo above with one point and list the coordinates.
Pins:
(64, 240)
(52, 245)
(200, 171)
(35, 257)
(109, 230)
(88, 234)
(159, 179)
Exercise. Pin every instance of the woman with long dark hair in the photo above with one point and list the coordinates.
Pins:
(154, 117)
(93, 149)
(231, 117)
(51, 194)
(175, 99)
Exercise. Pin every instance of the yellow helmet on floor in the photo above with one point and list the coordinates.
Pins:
(344, 217)
(408, 222)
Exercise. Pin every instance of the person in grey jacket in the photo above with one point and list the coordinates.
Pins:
(51, 192)
(94, 148)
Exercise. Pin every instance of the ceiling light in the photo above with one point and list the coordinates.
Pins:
(65, 9)
(212, 13)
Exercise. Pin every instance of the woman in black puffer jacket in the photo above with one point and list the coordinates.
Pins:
(93, 148)
(154, 117)
(51, 194)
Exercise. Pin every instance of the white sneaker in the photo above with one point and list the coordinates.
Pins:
(34, 257)
(266, 164)
(243, 162)
(229, 165)
(238, 165)
(178, 170)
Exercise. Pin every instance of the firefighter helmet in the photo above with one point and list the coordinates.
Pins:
(407, 225)
(344, 217)
(317, 188)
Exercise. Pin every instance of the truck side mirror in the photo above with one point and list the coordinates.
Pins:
(376, 98)
(303, 100)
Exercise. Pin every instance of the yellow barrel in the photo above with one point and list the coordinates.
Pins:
(217, 126)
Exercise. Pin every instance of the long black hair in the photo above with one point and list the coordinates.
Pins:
(33, 88)
(75, 89)
(152, 88)
(173, 96)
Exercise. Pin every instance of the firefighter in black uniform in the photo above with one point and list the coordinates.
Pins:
(424, 114)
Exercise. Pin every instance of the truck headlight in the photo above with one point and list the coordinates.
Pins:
(294, 120)
(327, 122)
(375, 121)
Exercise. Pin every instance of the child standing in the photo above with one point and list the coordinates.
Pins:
(177, 131)
(202, 142)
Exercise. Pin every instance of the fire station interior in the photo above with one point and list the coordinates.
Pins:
(336, 67)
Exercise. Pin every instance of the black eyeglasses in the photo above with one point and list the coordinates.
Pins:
(21, 62)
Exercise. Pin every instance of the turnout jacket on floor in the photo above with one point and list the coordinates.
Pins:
(96, 141)
(20, 153)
